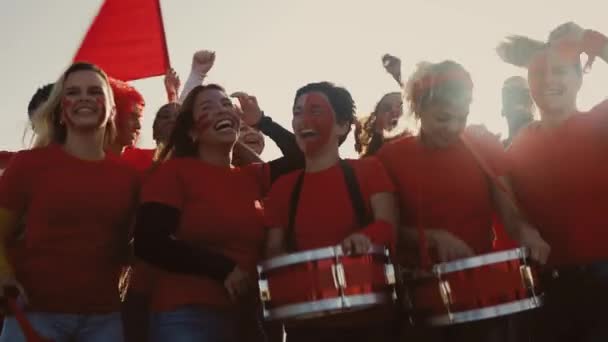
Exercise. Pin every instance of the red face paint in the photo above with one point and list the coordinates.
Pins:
(67, 105)
(317, 115)
(203, 123)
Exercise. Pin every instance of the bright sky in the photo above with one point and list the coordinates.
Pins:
(272, 47)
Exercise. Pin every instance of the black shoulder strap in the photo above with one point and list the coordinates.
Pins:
(354, 192)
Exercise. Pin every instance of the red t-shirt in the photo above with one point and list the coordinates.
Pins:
(325, 213)
(5, 157)
(139, 158)
(220, 210)
(77, 214)
(560, 177)
(446, 188)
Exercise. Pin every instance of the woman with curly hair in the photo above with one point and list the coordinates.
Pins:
(373, 130)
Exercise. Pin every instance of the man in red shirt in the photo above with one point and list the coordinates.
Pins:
(322, 116)
(558, 172)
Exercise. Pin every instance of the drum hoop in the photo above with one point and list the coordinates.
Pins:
(310, 255)
(488, 312)
(480, 260)
(319, 306)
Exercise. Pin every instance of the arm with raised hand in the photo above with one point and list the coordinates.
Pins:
(172, 85)
(392, 65)
(252, 115)
(202, 62)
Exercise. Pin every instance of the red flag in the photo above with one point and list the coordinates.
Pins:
(127, 40)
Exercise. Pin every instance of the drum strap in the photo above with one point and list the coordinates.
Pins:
(498, 182)
(354, 192)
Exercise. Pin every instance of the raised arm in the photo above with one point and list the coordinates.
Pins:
(172, 84)
(293, 158)
(202, 62)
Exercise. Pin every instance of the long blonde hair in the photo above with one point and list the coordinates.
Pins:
(47, 118)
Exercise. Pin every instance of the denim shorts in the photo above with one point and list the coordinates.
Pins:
(67, 327)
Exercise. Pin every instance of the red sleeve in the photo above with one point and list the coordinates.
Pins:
(276, 205)
(373, 177)
(164, 186)
(15, 183)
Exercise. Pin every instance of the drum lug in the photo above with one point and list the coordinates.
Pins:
(264, 290)
(446, 292)
(339, 276)
(526, 276)
(389, 272)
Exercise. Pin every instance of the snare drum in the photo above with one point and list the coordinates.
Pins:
(325, 281)
(476, 288)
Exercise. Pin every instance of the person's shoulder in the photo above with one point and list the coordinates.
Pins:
(366, 165)
(482, 134)
(396, 146)
(601, 108)
(525, 134)
(285, 184)
(37, 155)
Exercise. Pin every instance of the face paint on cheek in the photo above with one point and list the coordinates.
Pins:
(202, 123)
(322, 121)
(66, 107)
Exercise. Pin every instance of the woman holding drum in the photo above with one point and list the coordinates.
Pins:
(449, 182)
(558, 172)
(332, 202)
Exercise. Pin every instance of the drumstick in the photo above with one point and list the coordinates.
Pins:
(26, 327)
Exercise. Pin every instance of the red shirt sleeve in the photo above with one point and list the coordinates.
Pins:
(164, 186)
(15, 183)
(276, 205)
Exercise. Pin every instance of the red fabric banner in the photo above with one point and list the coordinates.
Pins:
(127, 40)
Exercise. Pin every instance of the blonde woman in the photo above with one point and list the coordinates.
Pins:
(76, 202)
(447, 202)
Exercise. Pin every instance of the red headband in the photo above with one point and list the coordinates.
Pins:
(125, 97)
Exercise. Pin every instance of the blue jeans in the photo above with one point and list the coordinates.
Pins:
(193, 324)
(67, 327)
